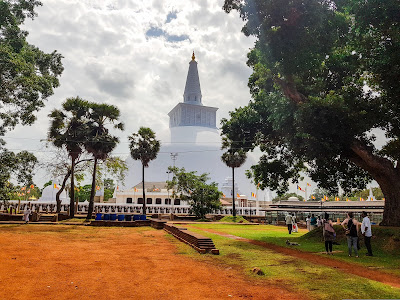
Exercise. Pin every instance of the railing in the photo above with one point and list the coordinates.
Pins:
(121, 208)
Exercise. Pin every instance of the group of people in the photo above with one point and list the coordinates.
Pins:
(291, 223)
(351, 226)
(313, 222)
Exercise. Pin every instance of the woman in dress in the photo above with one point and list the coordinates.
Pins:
(329, 234)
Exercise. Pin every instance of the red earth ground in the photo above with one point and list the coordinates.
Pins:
(61, 262)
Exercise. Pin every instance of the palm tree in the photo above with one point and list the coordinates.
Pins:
(100, 142)
(68, 130)
(144, 147)
(233, 158)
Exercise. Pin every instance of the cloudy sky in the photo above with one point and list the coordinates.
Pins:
(135, 54)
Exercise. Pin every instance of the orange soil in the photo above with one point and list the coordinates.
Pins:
(61, 262)
(346, 267)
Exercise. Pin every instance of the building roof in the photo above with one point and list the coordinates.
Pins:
(152, 185)
(328, 206)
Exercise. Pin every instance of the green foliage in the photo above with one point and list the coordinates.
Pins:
(286, 196)
(144, 146)
(99, 141)
(83, 192)
(69, 128)
(18, 166)
(202, 197)
(234, 219)
(27, 74)
(310, 110)
(50, 182)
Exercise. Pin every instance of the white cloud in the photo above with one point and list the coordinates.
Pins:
(108, 58)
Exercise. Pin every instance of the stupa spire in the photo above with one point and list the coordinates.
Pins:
(192, 92)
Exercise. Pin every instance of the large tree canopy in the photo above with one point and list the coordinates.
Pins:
(27, 74)
(325, 78)
(27, 78)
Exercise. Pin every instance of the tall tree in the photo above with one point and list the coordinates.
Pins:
(100, 142)
(58, 166)
(27, 77)
(144, 147)
(325, 78)
(27, 74)
(69, 130)
(234, 157)
(203, 198)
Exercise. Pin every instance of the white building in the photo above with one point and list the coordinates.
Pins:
(192, 141)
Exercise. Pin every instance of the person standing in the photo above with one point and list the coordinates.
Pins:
(366, 232)
(308, 222)
(319, 221)
(27, 213)
(329, 234)
(313, 222)
(294, 224)
(288, 220)
(350, 226)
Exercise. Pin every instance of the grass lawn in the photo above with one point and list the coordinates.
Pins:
(385, 243)
(317, 282)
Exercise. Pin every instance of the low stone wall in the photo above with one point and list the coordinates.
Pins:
(200, 243)
(157, 224)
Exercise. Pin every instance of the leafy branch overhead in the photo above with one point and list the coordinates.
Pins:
(27, 74)
(325, 79)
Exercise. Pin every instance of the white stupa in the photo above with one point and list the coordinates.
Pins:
(192, 141)
(49, 194)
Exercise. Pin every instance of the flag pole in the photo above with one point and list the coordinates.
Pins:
(257, 202)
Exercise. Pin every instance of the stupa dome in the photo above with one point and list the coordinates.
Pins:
(49, 195)
(192, 142)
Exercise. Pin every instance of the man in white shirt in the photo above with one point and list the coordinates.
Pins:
(288, 220)
(367, 232)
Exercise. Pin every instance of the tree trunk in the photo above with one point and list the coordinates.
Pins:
(61, 190)
(386, 175)
(144, 194)
(391, 190)
(233, 193)
(72, 193)
(92, 191)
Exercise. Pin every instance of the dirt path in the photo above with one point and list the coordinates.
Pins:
(60, 262)
(317, 259)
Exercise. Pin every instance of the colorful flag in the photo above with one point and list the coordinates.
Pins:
(362, 199)
(313, 197)
(135, 189)
(253, 195)
(347, 199)
(337, 198)
(383, 199)
(237, 195)
(308, 184)
(55, 186)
